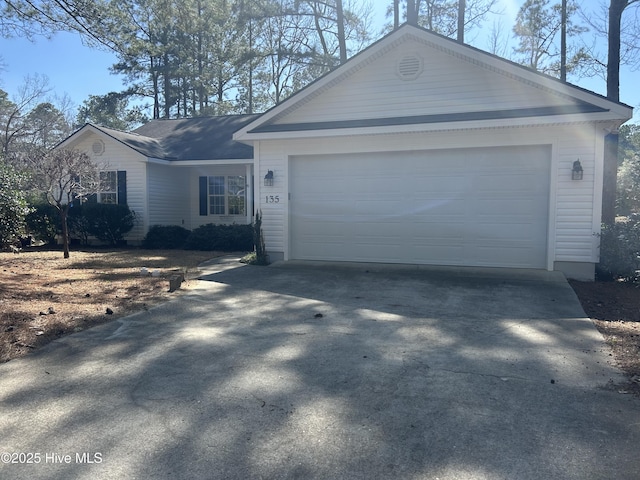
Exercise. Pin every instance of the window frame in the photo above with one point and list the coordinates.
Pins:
(102, 193)
(230, 192)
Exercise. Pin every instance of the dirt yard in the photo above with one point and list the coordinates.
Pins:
(615, 310)
(43, 296)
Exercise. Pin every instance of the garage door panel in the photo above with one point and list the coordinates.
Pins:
(434, 207)
(456, 207)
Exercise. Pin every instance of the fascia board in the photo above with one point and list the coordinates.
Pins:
(198, 163)
(436, 127)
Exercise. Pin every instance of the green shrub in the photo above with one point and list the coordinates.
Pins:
(43, 223)
(226, 238)
(79, 225)
(109, 223)
(619, 250)
(165, 237)
(14, 206)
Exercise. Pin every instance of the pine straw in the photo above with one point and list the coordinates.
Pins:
(44, 296)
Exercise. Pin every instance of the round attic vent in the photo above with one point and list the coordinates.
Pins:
(98, 147)
(409, 67)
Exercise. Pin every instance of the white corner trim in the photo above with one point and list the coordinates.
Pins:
(600, 132)
(553, 207)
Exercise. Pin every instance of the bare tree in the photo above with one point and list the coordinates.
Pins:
(13, 113)
(498, 39)
(64, 176)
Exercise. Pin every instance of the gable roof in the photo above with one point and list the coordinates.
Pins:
(185, 139)
(505, 94)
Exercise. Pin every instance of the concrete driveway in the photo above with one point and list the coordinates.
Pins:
(307, 371)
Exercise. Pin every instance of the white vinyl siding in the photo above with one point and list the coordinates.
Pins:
(575, 229)
(116, 157)
(168, 195)
(448, 84)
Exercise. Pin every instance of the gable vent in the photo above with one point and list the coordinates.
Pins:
(98, 147)
(409, 67)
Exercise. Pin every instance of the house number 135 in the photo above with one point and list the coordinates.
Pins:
(272, 199)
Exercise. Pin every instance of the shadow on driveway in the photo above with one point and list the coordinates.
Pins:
(309, 371)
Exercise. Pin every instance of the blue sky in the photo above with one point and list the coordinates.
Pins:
(79, 71)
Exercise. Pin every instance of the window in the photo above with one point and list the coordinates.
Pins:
(108, 187)
(226, 195)
(112, 188)
(236, 199)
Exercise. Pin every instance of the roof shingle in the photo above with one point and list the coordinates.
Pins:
(201, 138)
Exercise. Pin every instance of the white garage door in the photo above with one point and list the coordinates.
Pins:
(476, 207)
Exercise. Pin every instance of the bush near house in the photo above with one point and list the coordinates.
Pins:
(108, 223)
(226, 238)
(43, 223)
(620, 250)
(170, 237)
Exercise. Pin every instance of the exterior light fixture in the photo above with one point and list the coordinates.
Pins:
(576, 172)
(268, 179)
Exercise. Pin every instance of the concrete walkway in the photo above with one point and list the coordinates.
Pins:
(308, 371)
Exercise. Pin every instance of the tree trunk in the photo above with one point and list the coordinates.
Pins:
(616, 8)
(65, 230)
(412, 13)
(396, 14)
(462, 4)
(563, 43)
(167, 86)
(342, 41)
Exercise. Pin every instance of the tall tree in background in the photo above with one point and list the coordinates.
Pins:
(461, 14)
(93, 20)
(111, 110)
(190, 56)
(446, 17)
(396, 14)
(615, 41)
(342, 39)
(412, 12)
(537, 26)
(31, 121)
(614, 58)
(13, 112)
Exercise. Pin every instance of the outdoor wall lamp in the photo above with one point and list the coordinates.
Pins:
(268, 179)
(576, 172)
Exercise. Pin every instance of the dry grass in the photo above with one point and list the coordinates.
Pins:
(44, 296)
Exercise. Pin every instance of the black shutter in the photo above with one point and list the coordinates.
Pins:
(122, 187)
(203, 196)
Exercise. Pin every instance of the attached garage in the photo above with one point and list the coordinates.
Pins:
(480, 207)
(468, 160)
